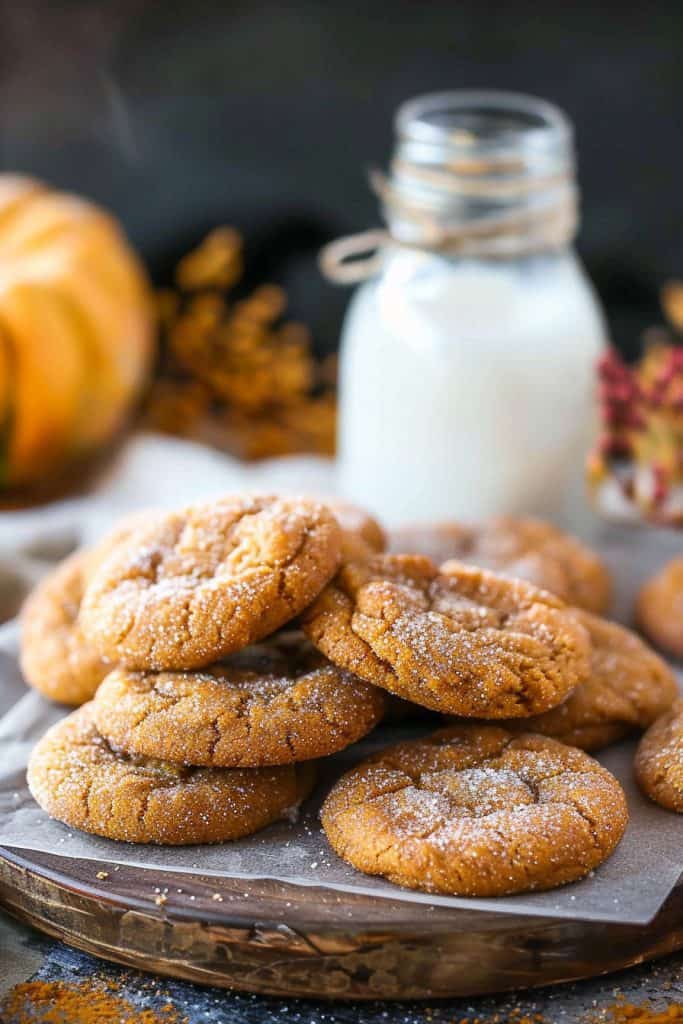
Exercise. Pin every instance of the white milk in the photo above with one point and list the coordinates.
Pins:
(467, 387)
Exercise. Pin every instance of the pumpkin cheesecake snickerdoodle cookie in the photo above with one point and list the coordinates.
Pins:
(202, 583)
(56, 658)
(659, 608)
(629, 686)
(659, 760)
(529, 549)
(274, 703)
(464, 641)
(476, 811)
(76, 776)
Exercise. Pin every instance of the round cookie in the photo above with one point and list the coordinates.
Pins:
(55, 658)
(77, 777)
(529, 549)
(465, 641)
(659, 760)
(629, 687)
(659, 608)
(198, 584)
(273, 703)
(476, 811)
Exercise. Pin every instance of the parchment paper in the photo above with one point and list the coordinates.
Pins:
(629, 888)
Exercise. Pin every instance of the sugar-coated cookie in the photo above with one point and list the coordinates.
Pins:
(629, 686)
(463, 641)
(204, 582)
(76, 776)
(276, 702)
(476, 811)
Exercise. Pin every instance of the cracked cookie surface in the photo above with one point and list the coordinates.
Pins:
(659, 608)
(629, 686)
(475, 811)
(529, 549)
(465, 641)
(659, 760)
(76, 776)
(205, 582)
(276, 702)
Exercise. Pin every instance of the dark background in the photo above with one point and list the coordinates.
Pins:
(267, 115)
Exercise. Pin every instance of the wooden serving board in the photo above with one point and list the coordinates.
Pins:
(278, 939)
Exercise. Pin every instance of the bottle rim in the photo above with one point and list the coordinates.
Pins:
(448, 119)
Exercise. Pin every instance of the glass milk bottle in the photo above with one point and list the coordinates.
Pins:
(468, 355)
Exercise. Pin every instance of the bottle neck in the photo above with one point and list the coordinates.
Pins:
(488, 174)
(475, 174)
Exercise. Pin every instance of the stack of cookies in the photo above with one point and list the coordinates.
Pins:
(206, 717)
(223, 648)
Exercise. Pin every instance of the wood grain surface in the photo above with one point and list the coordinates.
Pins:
(271, 938)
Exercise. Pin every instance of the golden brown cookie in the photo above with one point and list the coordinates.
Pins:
(530, 549)
(476, 811)
(274, 703)
(199, 584)
(55, 657)
(659, 608)
(629, 686)
(77, 777)
(465, 642)
(659, 760)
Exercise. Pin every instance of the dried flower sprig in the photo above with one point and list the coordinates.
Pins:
(640, 447)
(233, 372)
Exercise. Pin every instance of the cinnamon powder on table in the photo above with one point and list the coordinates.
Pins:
(642, 1013)
(98, 1002)
(55, 1002)
(616, 1013)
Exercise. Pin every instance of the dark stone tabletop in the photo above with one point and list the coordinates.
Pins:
(46, 982)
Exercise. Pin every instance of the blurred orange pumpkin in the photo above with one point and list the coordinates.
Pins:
(76, 329)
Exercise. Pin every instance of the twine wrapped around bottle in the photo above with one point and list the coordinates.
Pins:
(493, 207)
